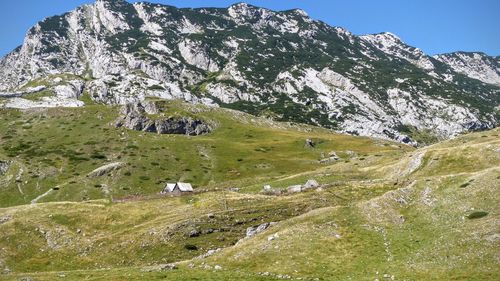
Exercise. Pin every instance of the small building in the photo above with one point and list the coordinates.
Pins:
(177, 188)
(169, 187)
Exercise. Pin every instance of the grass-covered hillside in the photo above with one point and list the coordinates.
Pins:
(53, 151)
(383, 211)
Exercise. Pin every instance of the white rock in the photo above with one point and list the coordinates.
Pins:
(475, 65)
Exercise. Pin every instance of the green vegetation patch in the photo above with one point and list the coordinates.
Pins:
(477, 215)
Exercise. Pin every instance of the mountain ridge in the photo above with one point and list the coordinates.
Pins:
(283, 64)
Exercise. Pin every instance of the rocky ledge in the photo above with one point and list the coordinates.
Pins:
(137, 116)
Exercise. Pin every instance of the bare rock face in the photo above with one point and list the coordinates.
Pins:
(184, 125)
(135, 117)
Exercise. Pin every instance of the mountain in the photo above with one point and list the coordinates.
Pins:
(282, 65)
(105, 106)
(474, 65)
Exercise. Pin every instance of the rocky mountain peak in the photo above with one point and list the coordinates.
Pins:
(241, 6)
(391, 44)
(300, 12)
(112, 2)
(384, 40)
(245, 12)
(388, 36)
(116, 6)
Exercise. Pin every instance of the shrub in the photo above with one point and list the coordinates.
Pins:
(98, 156)
(156, 87)
(463, 185)
(190, 247)
(477, 215)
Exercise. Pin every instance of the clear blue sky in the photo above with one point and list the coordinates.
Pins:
(435, 26)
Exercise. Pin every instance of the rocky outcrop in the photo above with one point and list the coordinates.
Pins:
(5, 219)
(137, 116)
(475, 65)
(332, 157)
(44, 102)
(106, 169)
(253, 230)
(4, 167)
(310, 184)
(57, 95)
(294, 188)
(309, 143)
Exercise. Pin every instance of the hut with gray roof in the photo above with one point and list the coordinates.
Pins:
(177, 188)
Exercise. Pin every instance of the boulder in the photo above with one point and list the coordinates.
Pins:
(350, 153)
(268, 190)
(273, 237)
(253, 230)
(333, 155)
(311, 184)
(209, 253)
(69, 91)
(309, 143)
(329, 159)
(169, 266)
(194, 233)
(267, 187)
(294, 188)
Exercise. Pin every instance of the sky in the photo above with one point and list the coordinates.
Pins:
(435, 26)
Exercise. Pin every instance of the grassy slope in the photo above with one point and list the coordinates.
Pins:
(417, 232)
(59, 147)
(383, 213)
